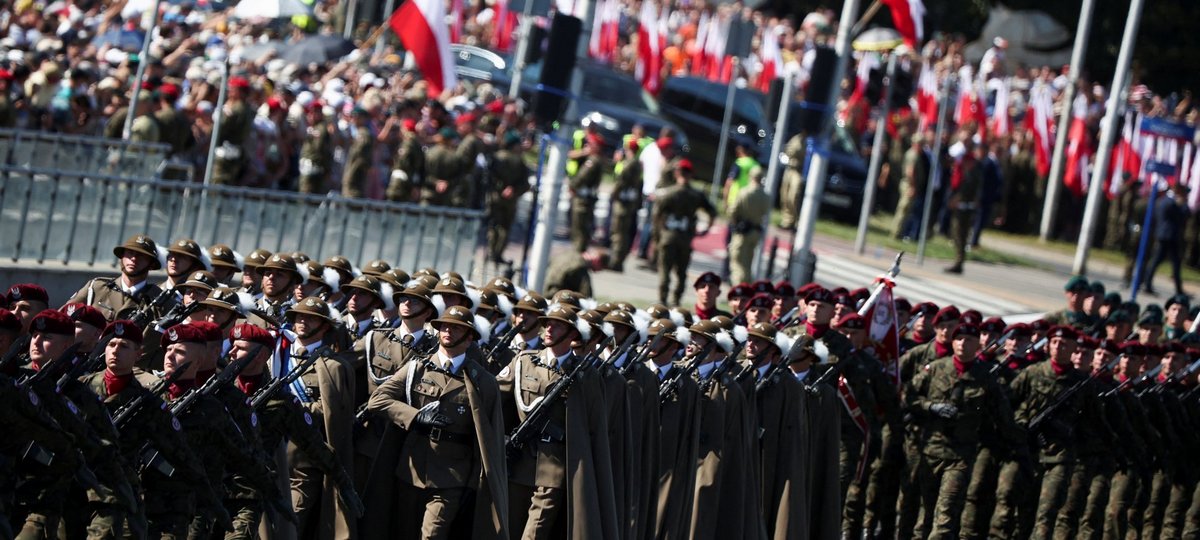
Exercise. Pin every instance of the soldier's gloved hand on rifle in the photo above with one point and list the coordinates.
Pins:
(430, 416)
(172, 318)
(944, 410)
(348, 495)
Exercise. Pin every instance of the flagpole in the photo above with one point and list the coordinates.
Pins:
(936, 170)
(514, 89)
(819, 162)
(143, 61)
(1108, 130)
(773, 166)
(348, 28)
(1054, 182)
(723, 146)
(868, 201)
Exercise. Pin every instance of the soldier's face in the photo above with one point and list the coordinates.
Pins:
(362, 302)
(178, 354)
(664, 353)
(944, 330)
(524, 320)
(697, 345)
(965, 347)
(1075, 300)
(307, 326)
(219, 317)
(1149, 334)
(452, 300)
(86, 334)
(409, 307)
(735, 304)
(45, 347)
(555, 331)
(707, 293)
(784, 304)
(178, 265)
(1100, 358)
(194, 294)
(452, 335)
(250, 279)
(757, 349)
(1130, 365)
(1174, 315)
(921, 327)
(275, 282)
(134, 263)
(223, 274)
(1173, 362)
(26, 310)
(1081, 359)
(241, 348)
(120, 355)
(819, 312)
(1060, 350)
(1016, 343)
(757, 315)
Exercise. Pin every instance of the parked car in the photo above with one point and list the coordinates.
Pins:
(845, 180)
(698, 106)
(475, 63)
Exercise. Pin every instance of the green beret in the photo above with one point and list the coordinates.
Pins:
(1077, 284)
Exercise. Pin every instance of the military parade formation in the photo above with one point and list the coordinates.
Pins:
(272, 395)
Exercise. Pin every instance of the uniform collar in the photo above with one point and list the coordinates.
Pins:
(454, 363)
(133, 289)
(705, 369)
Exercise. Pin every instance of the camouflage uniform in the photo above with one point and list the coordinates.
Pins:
(316, 159)
(585, 187)
(508, 171)
(675, 219)
(408, 168)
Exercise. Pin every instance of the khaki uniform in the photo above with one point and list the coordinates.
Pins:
(723, 469)
(359, 160)
(231, 156)
(145, 129)
(626, 200)
(112, 304)
(174, 130)
(466, 189)
(912, 189)
(585, 187)
(679, 437)
(316, 159)
(440, 164)
(792, 187)
(569, 271)
(964, 202)
(508, 171)
(408, 169)
(675, 220)
(439, 466)
(745, 223)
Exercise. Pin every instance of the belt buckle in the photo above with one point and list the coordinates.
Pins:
(435, 434)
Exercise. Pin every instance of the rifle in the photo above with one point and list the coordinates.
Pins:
(1127, 383)
(131, 408)
(764, 382)
(535, 421)
(1035, 346)
(787, 319)
(267, 392)
(835, 368)
(723, 367)
(506, 337)
(1174, 378)
(1064, 397)
(165, 299)
(360, 416)
(7, 364)
(622, 349)
(670, 386)
(47, 371)
(892, 273)
(226, 376)
(995, 344)
(641, 355)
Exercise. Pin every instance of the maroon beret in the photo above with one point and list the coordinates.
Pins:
(924, 308)
(741, 290)
(1040, 325)
(971, 316)
(1019, 329)
(819, 294)
(843, 299)
(902, 305)
(763, 286)
(9, 321)
(52, 321)
(992, 324)
(27, 291)
(1134, 348)
(124, 329)
(85, 314)
(184, 333)
(707, 278)
(852, 321)
(948, 313)
(1063, 332)
(783, 289)
(212, 332)
(1175, 347)
(967, 329)
(760, 300)
(253, 334)
(860, 293)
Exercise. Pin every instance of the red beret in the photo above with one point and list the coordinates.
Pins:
(212, 332)
(784, 289)
(902, 304)
(239, 82)
(760, 300)
(495, 106)
(1085, 342)
(1040, 325)
(184, 333)
(1019, 329)
(409, 124)
(9, 321)
(966, 329)
(170, 91)
(707, 278)
(763, 286)
(860, 293)
(465, 118)
(5, 75)
(852, 321)
(819, 294)
(971, 316)
(52, 321)
(633, 145)
(85, 314)
(124, 329)
(924, 308)
(948, 313)
(840, 299)
(274, 103)
(1109, 345)
(1175, 347)
(27, 291)
(1133, 348)
(253, 334)
(839, 290)
(664, 142)
(741, 290)
(1065, 332)
(993, 324)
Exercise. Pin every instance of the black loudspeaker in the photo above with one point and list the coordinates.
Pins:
(820, 84)
(557, 67)
(902, 88)
(537, 45)
(773, 96)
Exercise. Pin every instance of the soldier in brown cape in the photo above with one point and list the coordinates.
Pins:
(820, 428)
(561, 484)
(327, 392)
(722, 464)
(453, 456)
(679, 433)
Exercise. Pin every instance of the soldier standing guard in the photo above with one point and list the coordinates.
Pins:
(626, 200)
(746, 213)
(236, 126)
(675, 219)
(408, 168)
(449, 408)
(316, 153)
(360, 157)
(584, 186)
(965, 186)
(510, 180)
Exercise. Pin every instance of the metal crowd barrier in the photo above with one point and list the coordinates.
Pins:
(74, 153)
(78, 218)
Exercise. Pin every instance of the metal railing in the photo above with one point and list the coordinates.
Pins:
(78, 218)
(80, 154)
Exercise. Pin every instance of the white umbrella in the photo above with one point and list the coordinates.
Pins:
(270, 9)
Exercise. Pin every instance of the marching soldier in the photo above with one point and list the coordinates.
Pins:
(174, 128)
(183, 257)
(225, 263)
(678, 432)
(708, 290)
(118, 297)
(510, 180)
(316, 152)
(626, 201)
(364, 296)
(408, 167)
(964, 202)
(449, 407)
(675, 219)
(27, 300)
(1076, 290)
(359, 157)
(792, 187)
(559, 483)
(584, 186)
(746, 213)
(280, 275)
(236, 126)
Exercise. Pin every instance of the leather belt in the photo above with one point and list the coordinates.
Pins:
(436, 434)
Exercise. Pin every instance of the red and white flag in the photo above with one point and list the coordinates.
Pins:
(456, 21)
(1039, 120)
(1001, 123)
(421, 26)
(503, 25)
(771, 58)
(884, 329)
(602, 44)
(696, 53)
(714, 47)
(650, 45)
(909, 18)
(927, 97)
(1079, 150)
(1125, 158)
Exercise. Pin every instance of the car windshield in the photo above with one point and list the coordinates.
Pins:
(608, 88)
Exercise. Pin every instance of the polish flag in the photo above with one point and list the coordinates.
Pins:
(909, 18)
(714, 47)
(649, 62)
(602, 45)
(697, 52)
(1125, 158)
(1079, 150)
(456, 16)
(503, 25)
(883, 330)
(771, 57)
(1001, 123)
(421, 26)
(1039, 120)
(927, 97)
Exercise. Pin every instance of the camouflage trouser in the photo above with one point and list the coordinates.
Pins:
(674, 255)
(908, 504)
(1055, 478)
(1091, 525)
(1078, 519)
(1156, 503)
(500, 220)
(1140, 501)
(1120, 498)
(742, 248)
(853, 487)
(943, 489)
(107, 521)
(1191, 523)
(981, 495)
(622, 231)
(245, 513)
(1015, 503)
(583, 219)
(789, 197)
(883, 488)
(1177, 506)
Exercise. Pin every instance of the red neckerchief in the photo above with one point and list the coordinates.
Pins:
(815, 330)
(961, 366)
(250, 384)
(705, 314)
(1060, 369)
(113, 383)
(918, 340)
(941, 349)
(179, 388)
